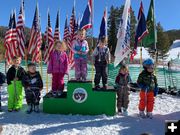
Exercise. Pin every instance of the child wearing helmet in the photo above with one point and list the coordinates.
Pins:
(147, 81)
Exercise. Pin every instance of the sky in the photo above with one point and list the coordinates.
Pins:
(166, 11)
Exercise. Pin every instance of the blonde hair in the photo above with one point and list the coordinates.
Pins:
(124, 67)
(63, 44)
(82, 31)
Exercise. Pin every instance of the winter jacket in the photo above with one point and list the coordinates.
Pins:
(58, 63)
(101, 55)
(32, 81)
(2, 78)
(81, 46)
(147, 81)
(122, 80)
(12, 73)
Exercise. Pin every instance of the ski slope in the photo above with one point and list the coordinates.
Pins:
(19, 123)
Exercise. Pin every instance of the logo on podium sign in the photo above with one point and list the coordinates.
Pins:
(79, 95)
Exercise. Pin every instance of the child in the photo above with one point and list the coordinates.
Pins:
(58, 67)
(2, 80)
(80, 48)
(14, 78)
(147, 81)
(33, 84)
(121, 82)
(101, 59)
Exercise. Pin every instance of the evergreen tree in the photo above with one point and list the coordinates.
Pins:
(162, 44)
(112, 30)
(115, 15)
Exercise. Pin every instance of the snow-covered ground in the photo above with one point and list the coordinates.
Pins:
(19, 123)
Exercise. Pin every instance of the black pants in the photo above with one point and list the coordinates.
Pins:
(0, 98)
(101, 72)
(32, 97)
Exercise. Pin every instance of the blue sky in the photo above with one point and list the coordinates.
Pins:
(167, 11)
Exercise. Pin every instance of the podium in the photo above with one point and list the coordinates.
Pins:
(81, 98)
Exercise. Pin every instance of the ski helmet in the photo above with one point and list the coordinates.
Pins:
(148, 62)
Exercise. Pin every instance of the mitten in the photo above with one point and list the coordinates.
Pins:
(156, 89)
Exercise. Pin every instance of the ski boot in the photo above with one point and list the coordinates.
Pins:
(149, 115)
(29, 110)
(125, 112)
(36, 108)
(59, 93)
(142, 114)
(97, 87)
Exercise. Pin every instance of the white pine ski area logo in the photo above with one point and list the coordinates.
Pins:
(80, 95)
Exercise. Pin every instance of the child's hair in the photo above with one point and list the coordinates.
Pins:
(16, 58)
(124, 67)
(31, 65)
(63, 44)
(82, 31)
(103, 40)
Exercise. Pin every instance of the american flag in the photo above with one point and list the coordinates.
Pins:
(72, 37)
(49, 41)
(11, 43)
(57, 31)
(36, 38)
(20, 31)
(7, 42)
(72, 24)
(14, 40)
(67, 38)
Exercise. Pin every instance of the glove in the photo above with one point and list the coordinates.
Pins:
(156, 89)
(143, 87)
(116, 87)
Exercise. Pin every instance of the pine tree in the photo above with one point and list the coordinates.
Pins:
(113, 25)
(112, 30)
(162, 44)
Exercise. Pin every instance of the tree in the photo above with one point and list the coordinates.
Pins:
(162, 44)
(112, 30)
(113, 25)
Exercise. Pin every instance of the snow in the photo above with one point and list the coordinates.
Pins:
(19, 123)
(173, 54)
(174, 50)
(145, 54)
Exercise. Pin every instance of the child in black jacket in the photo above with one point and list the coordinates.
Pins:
(33, 84)
(2, 80)
(14, 81)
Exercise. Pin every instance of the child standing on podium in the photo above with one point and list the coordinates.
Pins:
(101, 59)
(81, 49)
(58, 67)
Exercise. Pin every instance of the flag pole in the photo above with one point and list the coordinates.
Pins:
(155, 43)
(47, 78)
(5, 66)
(141, 57)
(40, 49)
(92, 42)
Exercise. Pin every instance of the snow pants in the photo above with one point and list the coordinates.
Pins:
(32, 96)
(146, 101)
(15, 94)
(58, 81)
(0, 96)
(122, 98)
(101, 72)
(80, 68)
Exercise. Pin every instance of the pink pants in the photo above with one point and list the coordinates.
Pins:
(57, 81)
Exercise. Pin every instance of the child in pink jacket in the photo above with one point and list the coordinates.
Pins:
(58, 67)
